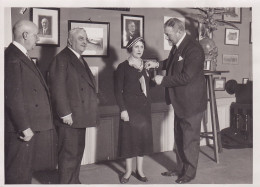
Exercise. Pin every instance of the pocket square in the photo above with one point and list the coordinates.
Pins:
(180, 58)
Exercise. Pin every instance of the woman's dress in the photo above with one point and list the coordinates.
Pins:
(135, 136)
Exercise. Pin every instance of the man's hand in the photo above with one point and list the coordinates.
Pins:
(124, 115)
(158, 79)
(151, 64)
(67, 119)
(28, 134)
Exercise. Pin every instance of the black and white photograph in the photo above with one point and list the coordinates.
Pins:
(236, 15)
(48, 22)
(98, 37)
(231, 36)
(131, 26)
(136, 93)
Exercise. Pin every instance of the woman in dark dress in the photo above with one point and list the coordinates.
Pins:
(133, 98)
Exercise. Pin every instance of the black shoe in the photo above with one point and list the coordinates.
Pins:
(184, 179)
(140, 178)
(124, 180)
(170, 173)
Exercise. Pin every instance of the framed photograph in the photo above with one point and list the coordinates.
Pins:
(230, 59)
(48, 22)
(233, 18)
(219, 83)
(207, 65)
(35, 60)
(131, 26)
(166, 45)
(250, 33)
(245, 80)
(98, 37)
(231, 36)
(202, 31)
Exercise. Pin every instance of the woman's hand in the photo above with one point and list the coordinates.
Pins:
(124, 115)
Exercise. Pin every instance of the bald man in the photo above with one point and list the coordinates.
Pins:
(27, 104)
(74, 101)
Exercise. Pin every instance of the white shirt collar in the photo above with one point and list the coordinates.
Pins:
(19, 46)
(179, 42)
(78, 55)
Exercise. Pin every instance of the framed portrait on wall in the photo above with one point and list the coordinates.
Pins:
(236, 18)
(250, 33)
(48, 22)
(166, 44)
(202, 31)
(219, 83)
(230, 59)
(131, 26)
(98, 37)
(231, 36)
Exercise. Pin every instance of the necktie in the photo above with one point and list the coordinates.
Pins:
(81, 60)
(174, 49)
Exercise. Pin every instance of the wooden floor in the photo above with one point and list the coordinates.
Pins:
(235, 167)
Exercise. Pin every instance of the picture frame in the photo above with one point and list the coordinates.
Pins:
(131, 26)
(166, 45)
(35, 60)
(219, 83)
(231, 36)
(230, 59)
(207, 65)
(236, 18)
(202, 30)
(98, 34)
(250, 33)
(245, 80)
(48, 22)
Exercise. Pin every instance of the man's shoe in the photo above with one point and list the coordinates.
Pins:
(170, 173)
(184, 179)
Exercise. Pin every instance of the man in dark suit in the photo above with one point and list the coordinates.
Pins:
(27, 105)
(74, 99)
(185, 89)
(45, 29)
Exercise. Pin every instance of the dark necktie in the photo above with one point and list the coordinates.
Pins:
(174, 49)
(82, 61)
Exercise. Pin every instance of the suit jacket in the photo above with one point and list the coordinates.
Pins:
(48, 31)
(185, 82)
(27, 99)
(72, 89)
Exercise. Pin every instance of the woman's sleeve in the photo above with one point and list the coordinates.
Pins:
(119, 86)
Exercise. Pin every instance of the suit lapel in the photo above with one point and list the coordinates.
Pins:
(173, 57)
(29, 64)
(83, 71)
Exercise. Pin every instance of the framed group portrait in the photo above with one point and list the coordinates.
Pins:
(131, 26)
(97, 37)
(48, 22)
